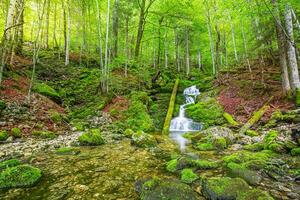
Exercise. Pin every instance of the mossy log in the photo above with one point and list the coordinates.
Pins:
(255, 118)
(171, 108)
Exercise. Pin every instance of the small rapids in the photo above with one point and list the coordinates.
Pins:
(181, 124)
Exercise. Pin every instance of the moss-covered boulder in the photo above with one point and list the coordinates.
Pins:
(254, 147)
(3, 135)
(220, 132)
(188, 176)
(19, 176)
(207, 111)
(9, 163)
(205, 146)
(128, 133)
(270, 138)
(166, 189)
(44, 134)
(92, 137)
(251, 133)
(16, 132)
(237, 170)
(224, 188)
(143, 140)
(47, 91)
(295, 151)
(179, 164)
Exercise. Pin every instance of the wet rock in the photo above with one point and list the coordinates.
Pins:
(219, 131)
(154, 189)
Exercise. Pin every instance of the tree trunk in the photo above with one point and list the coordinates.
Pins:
(54, 26)
(187, 52)
(281, 41)
(126, 44)
(233, 40)
(199, 60)
(140, 29)
(106, 48)
(99, 37)
(68, 36)
(47, 25)
(291, 51)
(115, 28)
(177, 60)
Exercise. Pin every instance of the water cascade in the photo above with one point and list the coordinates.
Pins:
(181, 124)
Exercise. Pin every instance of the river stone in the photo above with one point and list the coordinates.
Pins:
(154, 189)
(144, 140)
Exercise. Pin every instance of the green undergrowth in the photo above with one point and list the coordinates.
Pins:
(44, 134)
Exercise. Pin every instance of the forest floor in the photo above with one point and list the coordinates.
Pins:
(132, 164)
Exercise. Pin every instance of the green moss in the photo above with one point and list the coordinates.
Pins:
(140, 96)
(205, 147)
(207, 111)
(171, 108)
(188, 176)
(298, 97)
(254, 147)
(3, 135)
(237, 170)
(67, 151)
(295, 151)
(224, 188)
(19, 176)
(245, 156)
(220, 143)
(44, 134)
(270, 138)
(9, 163)
(277, 148)
(150, 184)
(128, 133)
(205, 164)
(255, 194)
(92, 137)
(138, 117)
(172, 165)
(229, 118)
(16, 132)
(251, 133)
(47, 91)
(2, 105)
(56, 116)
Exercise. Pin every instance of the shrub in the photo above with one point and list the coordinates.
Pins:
(92, 137)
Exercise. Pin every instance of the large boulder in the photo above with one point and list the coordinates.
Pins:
(220, 132)
(236, 170)
(154, 189)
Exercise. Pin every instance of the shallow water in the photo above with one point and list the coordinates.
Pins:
(105, 172)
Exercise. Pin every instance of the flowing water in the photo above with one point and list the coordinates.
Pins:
(182, 124)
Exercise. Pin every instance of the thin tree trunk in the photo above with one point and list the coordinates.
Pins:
(233, 40)
(47, 25)
(106, 46)
(115, 28)
(187, 52)
(54, 26)
(68, 35)
(99, 37)
(199, 60)
(126, 44)
(177, 60)
(281, 41)
(291, 51)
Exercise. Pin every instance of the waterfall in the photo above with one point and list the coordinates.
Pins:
(181, 124)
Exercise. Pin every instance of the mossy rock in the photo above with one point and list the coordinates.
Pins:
(254, 147)
(224, 188)
(179, 164)
(188, 176)
(67, 151)
(205, 147)
(47, 91)
(167, 189)
(270, 138)
(255, 194)
(237, 170)
(253, 160)
(172, 165)
(9, 163)
(251, 133)
(3, 135)
(220, 143)
(143, 140)
(295, 151)
(57, 117)
(19, 176)
(16, 132)
(205, 164)
(207, 111)
(92, 137)
(44, 134)
(230, 119)
(277, 148)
